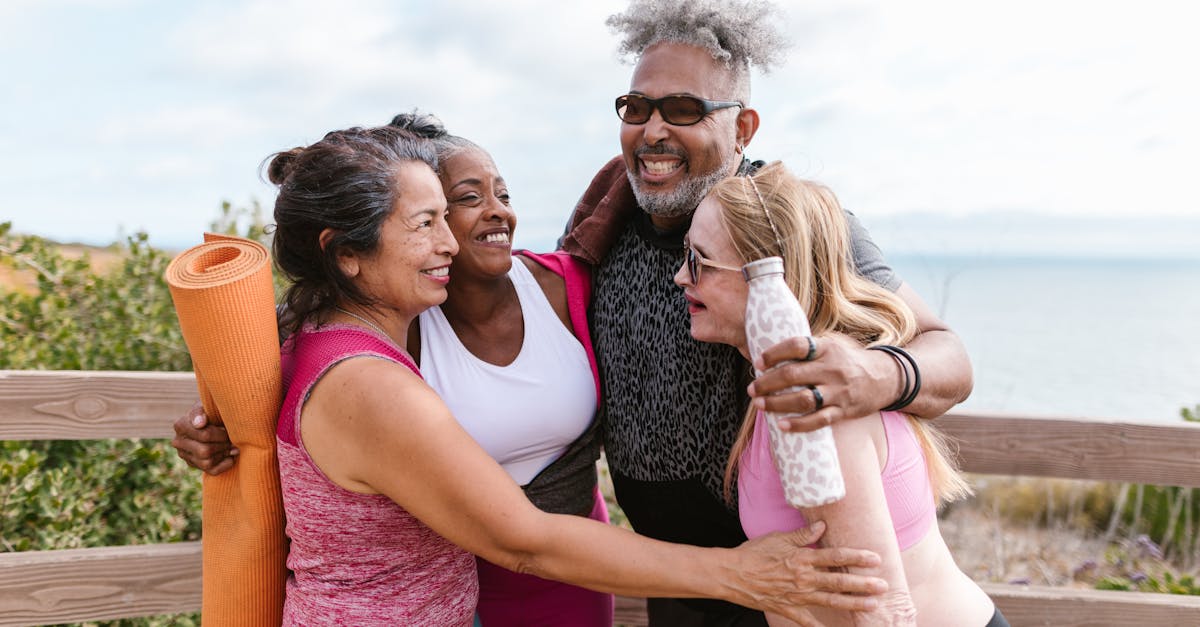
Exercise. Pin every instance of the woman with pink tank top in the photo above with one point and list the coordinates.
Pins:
(895, 468)
(386, 495)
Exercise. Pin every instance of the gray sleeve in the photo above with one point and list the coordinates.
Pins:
(868, 259)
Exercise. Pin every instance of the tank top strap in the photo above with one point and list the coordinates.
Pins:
(536, 308)
(312, 351)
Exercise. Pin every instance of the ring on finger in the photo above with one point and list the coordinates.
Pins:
(818, 400)
(812, 349)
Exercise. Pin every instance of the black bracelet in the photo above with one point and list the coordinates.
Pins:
(909, 394)
(903, 372)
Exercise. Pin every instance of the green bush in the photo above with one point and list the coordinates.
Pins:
(70, 494)
(65, 495)
(74, 318)
(69, 316)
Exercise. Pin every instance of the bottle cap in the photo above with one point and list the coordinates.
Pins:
(762, 267)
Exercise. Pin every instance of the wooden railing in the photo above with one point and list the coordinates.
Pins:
(43, 587)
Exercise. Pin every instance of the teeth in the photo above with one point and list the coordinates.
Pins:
(496, 238)
(660, 167)
(439, 272)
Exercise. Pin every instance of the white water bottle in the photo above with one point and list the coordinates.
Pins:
(807, 462)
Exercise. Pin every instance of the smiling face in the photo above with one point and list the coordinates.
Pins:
(408, 271)
(480, 215)
(717, 299)
(672, 167)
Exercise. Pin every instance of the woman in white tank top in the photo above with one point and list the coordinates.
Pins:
(526, 412)
(502, 353)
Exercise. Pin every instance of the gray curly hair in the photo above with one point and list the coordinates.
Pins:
(739, 33)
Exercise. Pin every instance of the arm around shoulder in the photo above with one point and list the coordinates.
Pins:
(945, 368)
(374, 427)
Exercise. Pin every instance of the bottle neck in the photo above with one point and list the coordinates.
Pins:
(763, 267)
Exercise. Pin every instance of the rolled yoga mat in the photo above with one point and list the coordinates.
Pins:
(225, 301)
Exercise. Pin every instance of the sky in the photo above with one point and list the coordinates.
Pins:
(1018, 127)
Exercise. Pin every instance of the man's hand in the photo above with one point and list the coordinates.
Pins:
(850, 381)
(795, 576)
(202, 445)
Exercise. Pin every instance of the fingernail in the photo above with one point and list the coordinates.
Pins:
(234, 451)
(784, 425)
(197, 421)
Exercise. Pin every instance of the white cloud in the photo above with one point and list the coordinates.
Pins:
(1064, 108)
(963, 107)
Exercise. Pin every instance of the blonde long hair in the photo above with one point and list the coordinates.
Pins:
(818, 267)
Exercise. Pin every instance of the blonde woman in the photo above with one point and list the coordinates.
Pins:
(895, 467)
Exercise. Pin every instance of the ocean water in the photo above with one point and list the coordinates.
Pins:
(1102, 338)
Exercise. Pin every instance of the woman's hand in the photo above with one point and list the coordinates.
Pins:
(781, 574)
(203, 445)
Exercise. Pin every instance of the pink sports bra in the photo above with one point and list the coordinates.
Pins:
(762, 507)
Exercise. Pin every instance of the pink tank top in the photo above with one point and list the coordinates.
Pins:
(762, 507)
(357, 559)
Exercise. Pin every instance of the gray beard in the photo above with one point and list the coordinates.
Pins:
(680, 202)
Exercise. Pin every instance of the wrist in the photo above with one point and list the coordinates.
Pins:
(893, 380)
(910, 376)
(727, 577)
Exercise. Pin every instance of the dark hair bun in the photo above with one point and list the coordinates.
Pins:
(420, 124)
(281, 165)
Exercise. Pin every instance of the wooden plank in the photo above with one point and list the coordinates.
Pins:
(1076, 448)
(89, 405)
(114, 582)
(629, 612)
(49, 587)
(1039, 605)
(1069, 607)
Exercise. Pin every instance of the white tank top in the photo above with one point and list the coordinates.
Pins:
(524, 414)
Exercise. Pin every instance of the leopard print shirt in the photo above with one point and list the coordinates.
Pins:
(673, 405)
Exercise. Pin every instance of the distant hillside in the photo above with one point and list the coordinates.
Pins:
(102, 259)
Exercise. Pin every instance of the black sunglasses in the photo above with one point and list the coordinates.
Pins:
(676, 110)
(695, 261)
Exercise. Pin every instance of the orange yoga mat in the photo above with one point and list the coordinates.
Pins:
(226, 306)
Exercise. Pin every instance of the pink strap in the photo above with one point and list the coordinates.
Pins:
(578, 277)
(309, 353)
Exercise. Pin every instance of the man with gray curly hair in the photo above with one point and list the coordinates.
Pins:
(673, 405)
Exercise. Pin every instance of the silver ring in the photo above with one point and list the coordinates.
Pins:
(818, 400)
(812, 349)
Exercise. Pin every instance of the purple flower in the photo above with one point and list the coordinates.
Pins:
(1147, 547)
(1020, 581)
(1138, 577)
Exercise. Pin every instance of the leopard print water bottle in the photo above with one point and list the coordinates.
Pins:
(807, 462)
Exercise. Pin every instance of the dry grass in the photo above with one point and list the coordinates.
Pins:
(1050, 533)
(989, 547)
